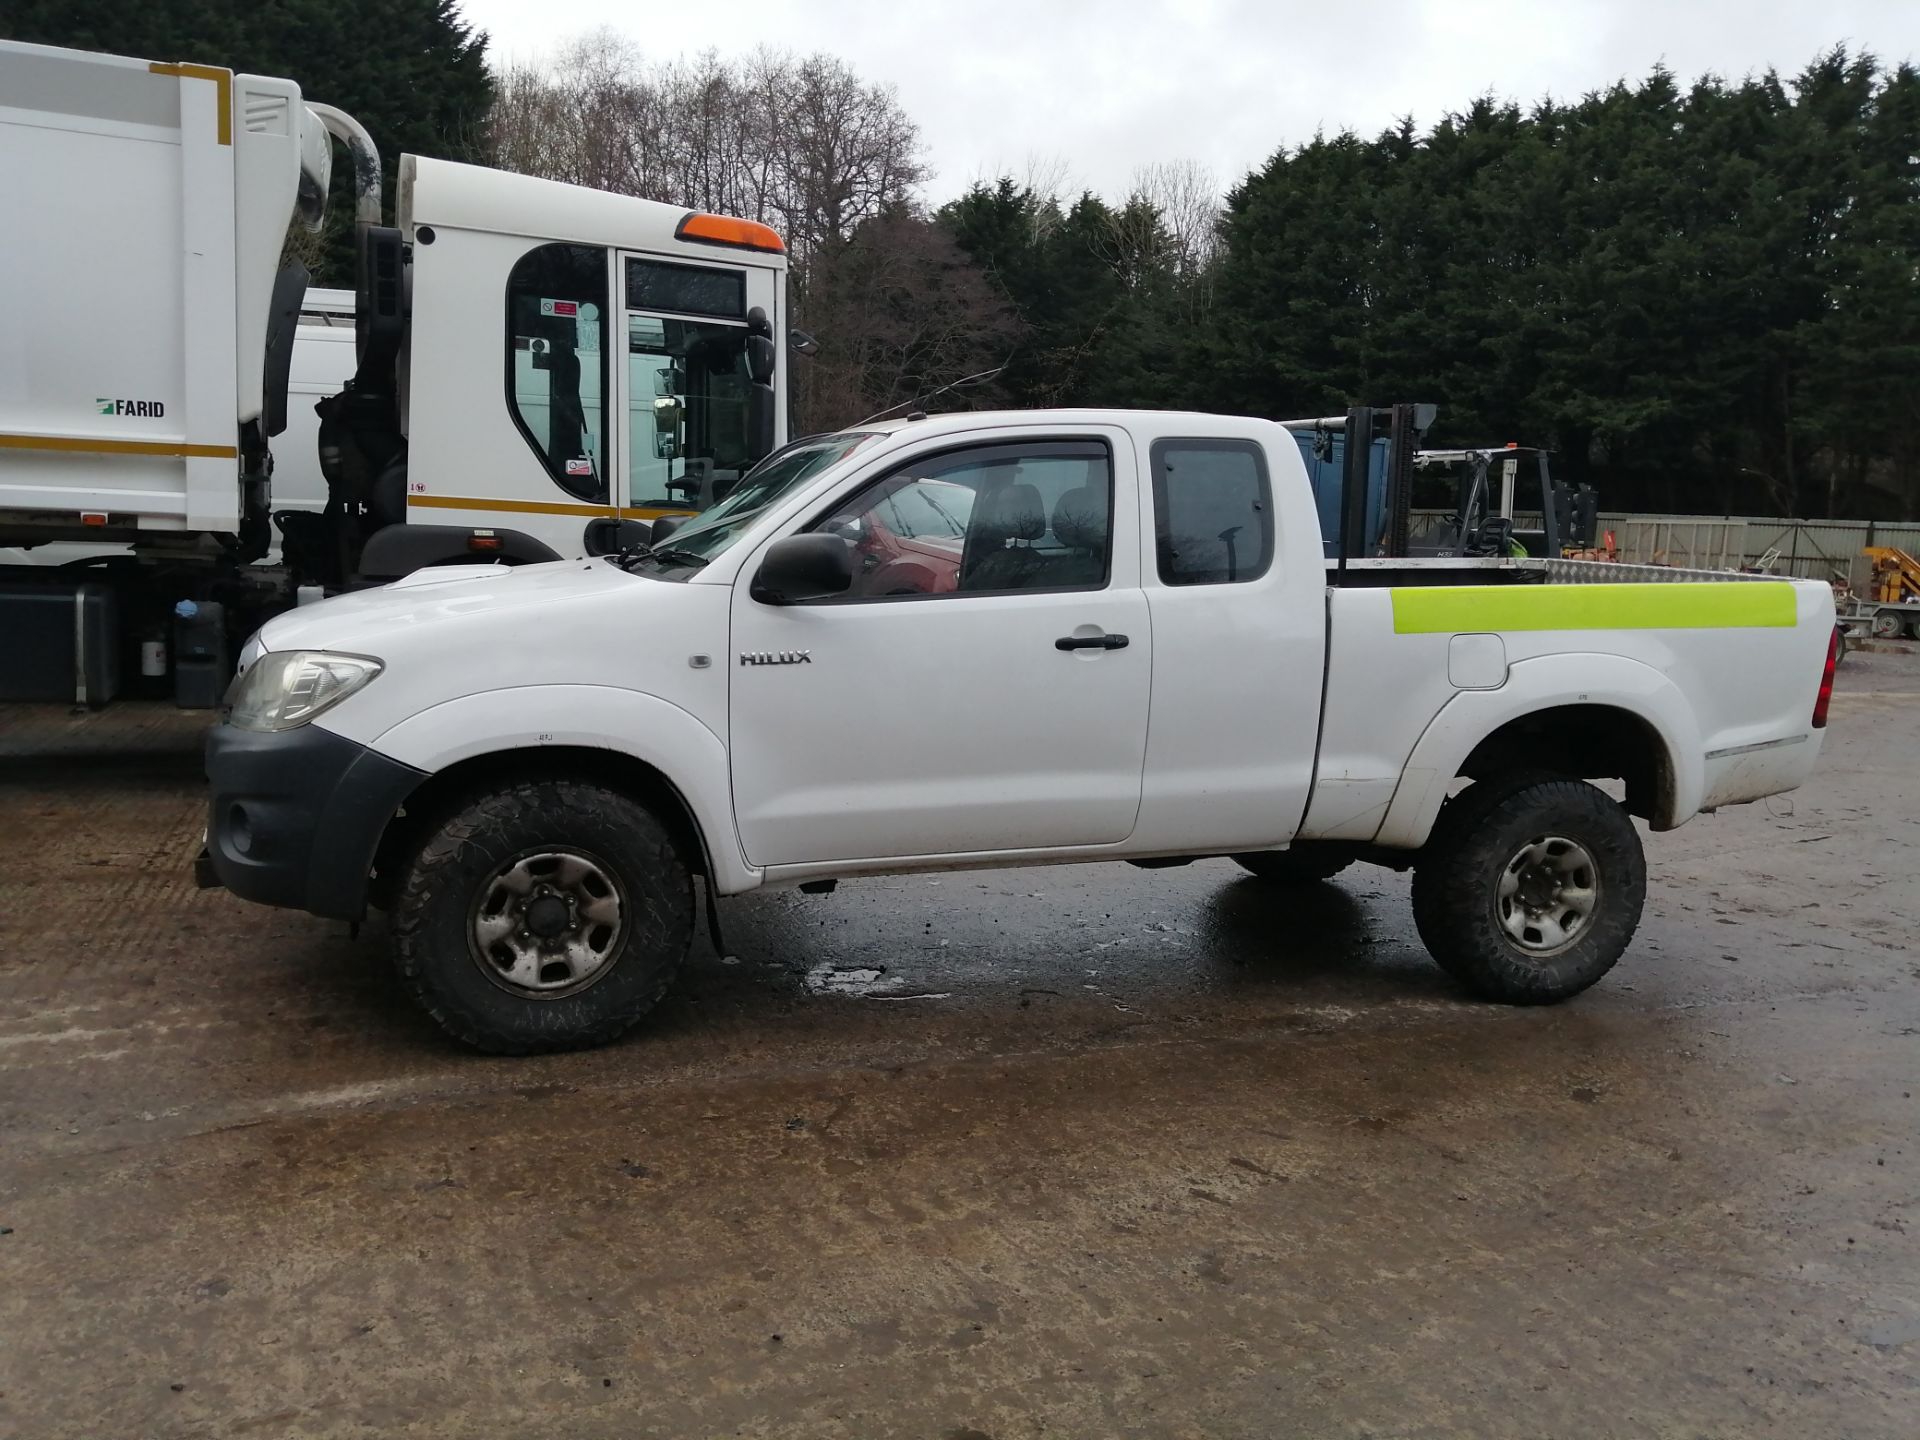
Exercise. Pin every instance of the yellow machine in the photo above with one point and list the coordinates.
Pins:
(1893, 592)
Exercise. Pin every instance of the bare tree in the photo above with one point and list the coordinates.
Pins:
(802, 144)
(900, 311)
(1186, 197)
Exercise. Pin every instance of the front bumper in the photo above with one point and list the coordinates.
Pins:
(295, 816)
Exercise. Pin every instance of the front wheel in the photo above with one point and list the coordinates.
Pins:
(545, 915)
(1530, 888)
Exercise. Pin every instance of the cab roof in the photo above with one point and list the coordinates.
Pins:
(472, 197)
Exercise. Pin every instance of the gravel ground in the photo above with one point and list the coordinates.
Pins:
(1085, 1151)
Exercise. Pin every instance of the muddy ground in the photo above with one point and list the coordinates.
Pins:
(1072, 1152)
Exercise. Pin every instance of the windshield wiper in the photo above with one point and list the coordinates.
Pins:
(952, 524)
(671, 556)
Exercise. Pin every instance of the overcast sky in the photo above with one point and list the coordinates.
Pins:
(1107, 87)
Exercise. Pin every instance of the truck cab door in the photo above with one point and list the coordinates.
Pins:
(692, 408)
(981, 689)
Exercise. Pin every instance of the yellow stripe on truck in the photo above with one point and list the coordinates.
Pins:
(223, 79)
(1680, 605)
(92, 445)
(544, 507)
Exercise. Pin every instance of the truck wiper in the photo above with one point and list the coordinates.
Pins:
(672, 556)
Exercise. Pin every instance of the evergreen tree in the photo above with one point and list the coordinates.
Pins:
(1701, 299)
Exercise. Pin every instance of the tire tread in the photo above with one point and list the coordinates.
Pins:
(439, 858)
(1457, 926)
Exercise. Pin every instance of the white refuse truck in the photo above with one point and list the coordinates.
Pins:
(324, 359)
(538, 368)
(991, 640)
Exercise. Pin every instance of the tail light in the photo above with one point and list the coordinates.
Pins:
(1826, 682)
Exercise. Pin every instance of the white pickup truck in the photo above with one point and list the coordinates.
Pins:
(989, 640)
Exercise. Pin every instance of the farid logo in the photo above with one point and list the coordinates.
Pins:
(145, 409)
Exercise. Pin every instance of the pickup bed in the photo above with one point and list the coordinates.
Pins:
(990, 640)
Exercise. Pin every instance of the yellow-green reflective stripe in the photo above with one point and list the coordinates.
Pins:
(1678, 605)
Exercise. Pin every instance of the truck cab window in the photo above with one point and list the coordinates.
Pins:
(689, 437)
(1213, 511)
(557, 363)
(999, 518)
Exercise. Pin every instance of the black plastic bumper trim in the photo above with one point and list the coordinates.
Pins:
(295, 816)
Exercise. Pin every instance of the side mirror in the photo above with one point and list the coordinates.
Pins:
(760, 417)
(665, 526)
(801, 343)
(759, 359)
(609, 536)
(804, 567)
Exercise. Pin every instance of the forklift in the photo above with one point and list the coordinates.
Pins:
(1389, 467)
(1569, 515)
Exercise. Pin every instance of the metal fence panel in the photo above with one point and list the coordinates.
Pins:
(1803, 549)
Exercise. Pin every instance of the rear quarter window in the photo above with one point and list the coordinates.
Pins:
(1213, 511)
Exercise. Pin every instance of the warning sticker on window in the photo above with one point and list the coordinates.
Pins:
(579, 467)
(568, 308)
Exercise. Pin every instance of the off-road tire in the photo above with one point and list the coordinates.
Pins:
(1304, 863)
(1456, 886)
(430, 916)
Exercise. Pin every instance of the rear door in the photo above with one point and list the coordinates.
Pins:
(983, 688)
(1237, 586)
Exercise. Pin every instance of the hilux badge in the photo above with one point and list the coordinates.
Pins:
(776, 657)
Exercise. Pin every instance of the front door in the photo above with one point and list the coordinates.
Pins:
(689, 432)
(983, 687)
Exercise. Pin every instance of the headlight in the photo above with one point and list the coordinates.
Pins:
(284, 689)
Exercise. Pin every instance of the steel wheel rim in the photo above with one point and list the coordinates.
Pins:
(1548, 894)
(547, 923)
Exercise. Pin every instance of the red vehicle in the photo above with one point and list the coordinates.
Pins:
(911, 542)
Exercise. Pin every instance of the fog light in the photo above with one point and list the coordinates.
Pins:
(240, 828)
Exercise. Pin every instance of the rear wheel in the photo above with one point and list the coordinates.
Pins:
(1302, 863)
(1887, 624)
(1530, 888)
(546, 915)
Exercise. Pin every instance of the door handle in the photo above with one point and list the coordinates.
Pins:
(1091, 642)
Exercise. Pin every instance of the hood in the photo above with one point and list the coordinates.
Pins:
(446, 634)
(364, 620)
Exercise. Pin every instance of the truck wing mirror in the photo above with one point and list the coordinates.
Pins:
(608, 535)
(804, 567)
(760, 359)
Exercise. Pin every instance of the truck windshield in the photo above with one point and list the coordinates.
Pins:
(702, 539)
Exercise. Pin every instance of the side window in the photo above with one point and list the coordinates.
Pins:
(1213, 511)
(557, 362)
(992, 519)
